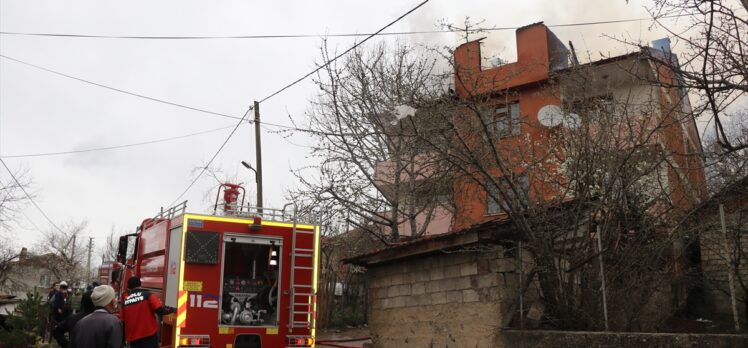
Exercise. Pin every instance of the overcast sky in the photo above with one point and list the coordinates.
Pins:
(41, 112)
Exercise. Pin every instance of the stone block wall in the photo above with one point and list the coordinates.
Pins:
(452, 299)
(569, 339)
(717, 252)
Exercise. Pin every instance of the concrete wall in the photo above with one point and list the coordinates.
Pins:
(563, 339)
(444, 300)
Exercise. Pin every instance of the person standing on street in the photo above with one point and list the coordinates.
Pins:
(67, 325)
(61, 304)
(100, 329)
(138, 313)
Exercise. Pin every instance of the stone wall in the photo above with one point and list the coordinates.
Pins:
(564, 339)
(444, 300)
(718, 252)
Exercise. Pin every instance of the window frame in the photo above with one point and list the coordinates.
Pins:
(494, 207)
(507, 120)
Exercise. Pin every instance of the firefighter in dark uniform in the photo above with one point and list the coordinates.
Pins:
(138, 313)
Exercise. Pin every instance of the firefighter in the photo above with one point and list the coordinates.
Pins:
(138, 313)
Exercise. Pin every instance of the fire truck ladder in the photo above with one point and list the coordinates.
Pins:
(302, 296)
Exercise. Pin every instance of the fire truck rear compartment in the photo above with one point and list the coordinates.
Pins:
(249, 294)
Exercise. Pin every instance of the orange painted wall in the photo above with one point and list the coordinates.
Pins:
(532, 64)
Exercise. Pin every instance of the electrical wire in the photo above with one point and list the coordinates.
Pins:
(293, 36)
(29, 196)
(2, 184)
(120, 90)
(220, 148)
(344, 52)
(114, 147)
(139, 95)
(285, 88)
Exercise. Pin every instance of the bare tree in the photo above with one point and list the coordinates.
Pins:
(725, 167)
(372, 168)
(610, 167)
(8, 258)
(607, 167)
(66, 250)
(111, 245)
(713, 60)
(12, 197)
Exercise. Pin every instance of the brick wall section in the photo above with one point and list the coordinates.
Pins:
(443, 300)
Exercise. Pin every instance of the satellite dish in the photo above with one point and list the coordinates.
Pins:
(550, 116)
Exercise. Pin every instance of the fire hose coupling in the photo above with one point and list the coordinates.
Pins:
(194, 341)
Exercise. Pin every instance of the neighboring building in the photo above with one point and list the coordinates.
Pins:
(515, 93)
(28, 274)
(458, 286)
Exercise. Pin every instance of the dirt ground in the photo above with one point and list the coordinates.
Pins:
(334, 336)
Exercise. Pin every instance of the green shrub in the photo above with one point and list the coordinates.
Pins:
(347, 316)
(27, 323)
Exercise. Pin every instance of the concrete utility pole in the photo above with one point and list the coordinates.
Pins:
(88, 264)
(258, 149)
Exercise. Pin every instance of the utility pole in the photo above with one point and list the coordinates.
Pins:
(88, 264)
(258, 149)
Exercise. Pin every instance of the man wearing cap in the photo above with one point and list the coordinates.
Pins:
(60, 305)
(100, 329)
(138, 312)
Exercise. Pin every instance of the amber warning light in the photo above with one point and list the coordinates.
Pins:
(194, 341)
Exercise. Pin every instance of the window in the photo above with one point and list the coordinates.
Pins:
(506, 120)
(521, 183)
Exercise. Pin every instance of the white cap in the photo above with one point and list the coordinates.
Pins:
(102, 295)
(63, 283)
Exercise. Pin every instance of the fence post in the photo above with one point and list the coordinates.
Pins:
(602, 276)
(729, 269)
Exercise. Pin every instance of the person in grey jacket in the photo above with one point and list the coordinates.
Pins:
(100, 329)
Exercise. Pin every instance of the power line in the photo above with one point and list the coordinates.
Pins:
(147, 97)
(344, 53)
(29, 196)
(35, 227)
(283, 89)
(220, 148)
(294, 36)
(114, 147)
(120, 90)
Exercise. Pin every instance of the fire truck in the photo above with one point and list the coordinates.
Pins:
(239, 277)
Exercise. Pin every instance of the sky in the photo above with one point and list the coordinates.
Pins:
(41, 112)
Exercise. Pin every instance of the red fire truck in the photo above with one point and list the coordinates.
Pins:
(241, 277)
